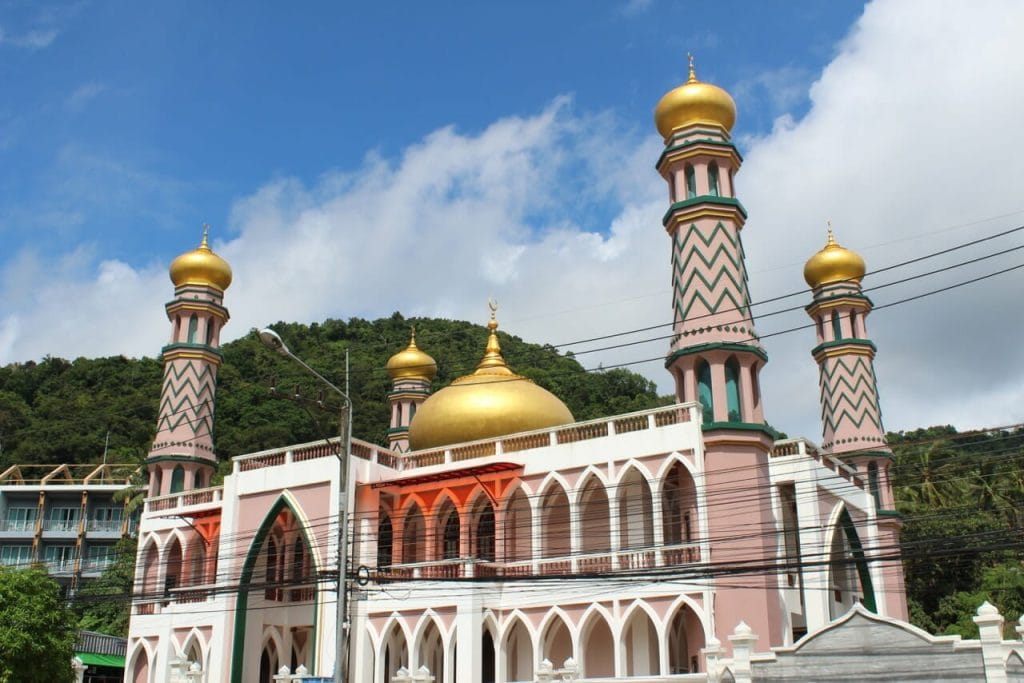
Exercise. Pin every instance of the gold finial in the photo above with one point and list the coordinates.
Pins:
(693, 71)
(205, 243)
(831, 239)
(412, 336)
(492, 353)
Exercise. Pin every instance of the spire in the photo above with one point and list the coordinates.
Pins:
(493, 361)
(693, 71)
(205, 243)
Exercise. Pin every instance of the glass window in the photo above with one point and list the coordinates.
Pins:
(99, 557)
(16, 555)
(62, 519)
(193, 323)
(837, 330)
(732, 389)
(20, 519)
(106, 519)
(450, 537)
(60, 558)
(873, 483)
(178, 479)
(704, 391)
(691, 182)
(713, 179)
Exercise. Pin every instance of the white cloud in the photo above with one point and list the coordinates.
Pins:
(84, 94)
(35, 39)
(912, 131)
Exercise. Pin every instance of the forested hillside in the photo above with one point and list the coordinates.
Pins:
(962, 495)
(59, 411)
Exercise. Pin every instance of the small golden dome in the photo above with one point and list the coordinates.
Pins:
(833, 264)
(201, 267)
(411, 363)
(694, 102)
(492, 401)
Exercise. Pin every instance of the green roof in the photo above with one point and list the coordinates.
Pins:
(92, 659)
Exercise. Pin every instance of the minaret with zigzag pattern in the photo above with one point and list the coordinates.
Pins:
(181, 457)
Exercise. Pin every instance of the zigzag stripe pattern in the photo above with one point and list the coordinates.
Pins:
(708, 270)
(849, 400)
(187, 399)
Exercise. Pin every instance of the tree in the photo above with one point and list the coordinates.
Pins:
(104, 604)
(37, 634)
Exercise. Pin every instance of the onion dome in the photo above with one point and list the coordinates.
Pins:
(492, 401)
(833, 264)
(411, 363)
(694, 102)
(201, 267)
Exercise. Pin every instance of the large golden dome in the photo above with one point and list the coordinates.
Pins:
(833, 264)
(201, 267)
(411, 363)
(492, 401)
(692, 103)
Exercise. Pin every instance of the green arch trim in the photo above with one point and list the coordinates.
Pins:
(242, 602)
(866, 585)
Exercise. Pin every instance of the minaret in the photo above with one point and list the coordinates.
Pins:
(715, 356)
(181, 457)
(850, 414)
(411, 372)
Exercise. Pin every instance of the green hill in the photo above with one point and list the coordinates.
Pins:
(58, 411)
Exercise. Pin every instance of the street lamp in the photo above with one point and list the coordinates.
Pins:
(273, 341)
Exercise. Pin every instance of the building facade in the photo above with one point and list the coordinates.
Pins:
(63, 516)
(499, 539)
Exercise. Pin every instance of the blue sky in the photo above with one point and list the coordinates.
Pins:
(355, 160)
(136, 122)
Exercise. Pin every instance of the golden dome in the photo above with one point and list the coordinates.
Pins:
(833, 264)
(492, 401)
(694, 102)
(411, 363)
(201, 267)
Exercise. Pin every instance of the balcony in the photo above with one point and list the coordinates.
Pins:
(60, 528)
(624, 560)
(108, 528)
(16, 527)
(195, 501)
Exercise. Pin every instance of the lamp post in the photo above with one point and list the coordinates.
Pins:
(273, 341)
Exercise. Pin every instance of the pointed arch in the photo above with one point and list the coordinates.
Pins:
(556, 640)
(173, 564)
(394, 649)
(635, 503)
(177, 479)
(517, 527)
(591, 472)
(284, 502)
(733, 403)
(704, 393)
(385, 539)
(150, 568)
(139, 663)
(713, 183)
(555, 522)
(594, 515)
(448, 530)
(684, 637)
(597, 645)
(638, 645)
(195, 642)
(430, 648)
(848, 567)
(518, 647)
(414, 532)
(678, 493)
(482, 529)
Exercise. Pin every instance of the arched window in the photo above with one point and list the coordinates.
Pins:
(200, 480)
(484, 534)
(272, 592)
(178, 479)
(732, 389)
(837, 330)
(209, 331)
(412, 536)
(873, 483)
(691, 182)
(412, 411)
(704, 391)
(450, 535)
(193, 323)
(713, 179)
(299, 566)
(385, 541)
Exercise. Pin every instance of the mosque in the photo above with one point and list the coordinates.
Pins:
(498, 539)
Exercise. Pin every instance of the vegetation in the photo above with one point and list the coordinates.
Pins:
(101, 604)
(58, 411)
(37, 635)
(962, 496)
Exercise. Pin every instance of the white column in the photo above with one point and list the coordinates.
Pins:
(812, 544)
(469, 629)
(614, 532)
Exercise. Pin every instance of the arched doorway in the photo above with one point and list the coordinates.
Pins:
(519, 660)
(394, 653)
(639, 646)
(488, 663)
(685, 641)
(597, 648)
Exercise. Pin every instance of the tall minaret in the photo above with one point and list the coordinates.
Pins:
(411, 372)
(181, 457)
(850, 414)
(715, 356)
